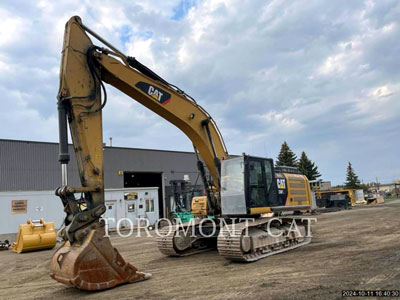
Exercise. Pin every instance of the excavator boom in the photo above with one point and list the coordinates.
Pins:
(86, 253)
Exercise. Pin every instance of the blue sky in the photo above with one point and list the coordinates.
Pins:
(183, 7)
(322, 75)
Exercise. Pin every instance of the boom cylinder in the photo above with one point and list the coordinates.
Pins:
(63, 155)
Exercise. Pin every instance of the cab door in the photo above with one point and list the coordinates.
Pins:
(259, 177)
(256, 188)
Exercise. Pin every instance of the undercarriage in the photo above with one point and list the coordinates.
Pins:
(248, 240)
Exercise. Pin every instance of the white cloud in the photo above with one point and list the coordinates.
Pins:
(281, 120)
(388, 27)
(142, 48)
(377, 104)
(11, 29)
(316, 74)
(381, 92)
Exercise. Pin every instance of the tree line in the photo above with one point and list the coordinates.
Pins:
(307, 167)
(286, 157)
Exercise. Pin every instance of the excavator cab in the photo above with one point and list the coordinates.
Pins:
(251, 186)
(245, 185)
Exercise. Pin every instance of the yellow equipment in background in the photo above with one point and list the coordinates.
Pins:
(325, 194)
(199, 206)
(35, 235)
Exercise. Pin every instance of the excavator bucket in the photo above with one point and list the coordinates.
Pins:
(92, 265)
(35, 235)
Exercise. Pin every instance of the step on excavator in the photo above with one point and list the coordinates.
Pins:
(235, 186)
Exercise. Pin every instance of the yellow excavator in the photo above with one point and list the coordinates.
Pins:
(235, 186)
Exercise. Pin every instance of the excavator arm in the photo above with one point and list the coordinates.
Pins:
(83, 69)
(81, 98)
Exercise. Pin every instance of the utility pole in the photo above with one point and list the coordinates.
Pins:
(377, 185)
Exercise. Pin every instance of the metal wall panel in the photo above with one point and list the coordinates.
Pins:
(40, 204)
(33, 166)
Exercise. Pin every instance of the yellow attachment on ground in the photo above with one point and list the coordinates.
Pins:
(199, 206)
(376, 200)
(361, 202)
(35, 235)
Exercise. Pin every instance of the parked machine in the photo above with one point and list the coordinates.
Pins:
(374, 196)
(339, 198)
(397, 188)
(237, 187)
(182, 201)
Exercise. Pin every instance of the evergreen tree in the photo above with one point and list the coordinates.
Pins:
(307, 167)
(352, 180)
(286, 157)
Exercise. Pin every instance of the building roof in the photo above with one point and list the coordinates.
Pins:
(114, 147)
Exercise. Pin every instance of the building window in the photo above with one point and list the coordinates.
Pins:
(149, 205)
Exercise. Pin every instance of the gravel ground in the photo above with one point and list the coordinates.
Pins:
(354, 249)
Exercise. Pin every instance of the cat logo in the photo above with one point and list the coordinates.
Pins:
(156, 93)
(281, 183)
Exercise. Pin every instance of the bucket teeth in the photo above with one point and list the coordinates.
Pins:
(92, 265)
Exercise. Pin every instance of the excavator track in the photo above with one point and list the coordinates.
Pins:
(165, 240)
(232, 241)
(170, 243)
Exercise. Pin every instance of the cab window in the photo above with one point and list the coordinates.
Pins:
(256, 184)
